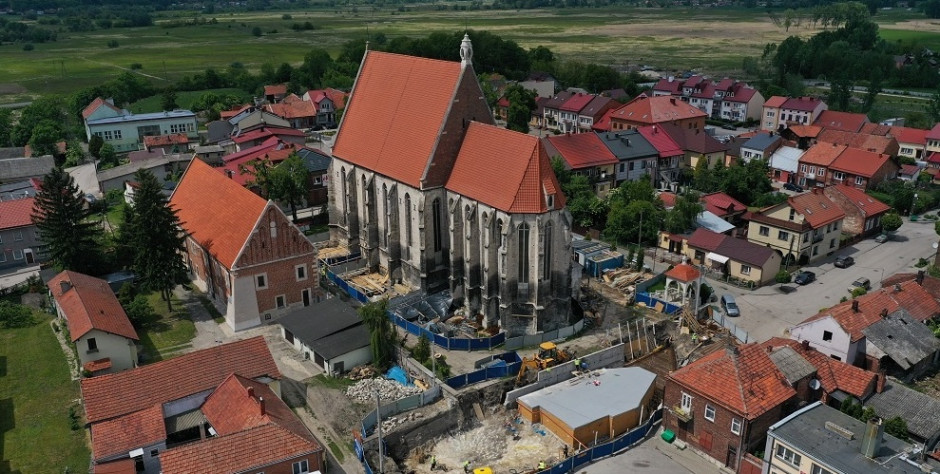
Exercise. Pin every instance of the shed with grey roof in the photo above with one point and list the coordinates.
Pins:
(331, 333)
(635, 154)
(920, 411)
(162, 167)
(600, 405)
(909, 344)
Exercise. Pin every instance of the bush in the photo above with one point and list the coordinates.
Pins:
(422, 351)
(858, 292)
(28, 47)
(783, 276)
(136, 66)
(139, 311)
(14, 315)
(74, 422)
(897, 427)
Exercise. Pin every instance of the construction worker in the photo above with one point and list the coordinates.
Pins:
(433, 462)
(466, 467)
(577, 364)
(541, 465)
(565, 451)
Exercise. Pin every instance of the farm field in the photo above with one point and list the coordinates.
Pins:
(712, 41)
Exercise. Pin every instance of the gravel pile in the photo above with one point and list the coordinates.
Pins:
(389, 390)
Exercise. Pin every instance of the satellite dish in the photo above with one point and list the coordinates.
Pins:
(814, 384)
(935, 245)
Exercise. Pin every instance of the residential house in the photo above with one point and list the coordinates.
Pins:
(723, 404)
(784, 164)
(20, 245)
(261, 135)
(275, 93)
(166, 168)
(436, 181)
(172, 143)
(723, 206)
(742, 103)
(697, 145)
(18, 168)
(125, 131)
(862, 169)
(211, 154)
(847, 331)
(569, 112)
(736, 258)
(537, 119)
(842, 121)
(636, 156)
(646, 111)
(727, 99)
(331, 334)
(805, 136)
(142, 155)
(933, 140)
(920, 411)
(594, 111)
(862, 212)
(835, 380)
(298, 113)
(585, 154)
(815, 163)
(806, 227)
(19, 189)
(242, 250)
(239, 167)
(336, 96)
(215, 409)
(669, 166)
(780, 112)
(821, 439)
(912, 142)
(873, 143)
(104, 338)
(909, 172)
(931, 284)
(543, 85)
(760, 146)
(324, 100)
(317, 164)
(551, 109)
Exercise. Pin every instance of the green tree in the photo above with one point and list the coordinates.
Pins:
(6, 127)
(158, 244)
(50, 108)
(14, 315)
(682, 216)
(897, 427)
(256, 31)
(290, 182)
(168, 99)
(108, 156)
(933, 106)
(94, 146)
(74, 154)
(745, 182)
(44, 138)
(382, 333)
(422, 350)
(932, 9)
(64, 224)
(521, 105)
(891, 222)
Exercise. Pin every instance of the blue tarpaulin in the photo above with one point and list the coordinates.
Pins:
(398, 374)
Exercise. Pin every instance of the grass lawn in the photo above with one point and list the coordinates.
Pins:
(339, 383)
(184, 99)
(165, 332)
(35, 396)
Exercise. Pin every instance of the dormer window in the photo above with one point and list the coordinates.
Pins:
(550, 201)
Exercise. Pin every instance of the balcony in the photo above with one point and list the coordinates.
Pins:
(681, 413)
(817, 237)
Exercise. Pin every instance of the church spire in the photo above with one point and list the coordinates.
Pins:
(466, 51)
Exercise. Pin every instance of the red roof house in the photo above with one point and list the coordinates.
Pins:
(862, 169)
(862, 212)
(19, 235)
(585, 153)
(242, 250)
(643, 111)
(844, 121)
(98, 325)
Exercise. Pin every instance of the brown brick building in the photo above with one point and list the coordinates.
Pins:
(242, 250)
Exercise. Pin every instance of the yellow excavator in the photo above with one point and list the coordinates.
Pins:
(548, 355)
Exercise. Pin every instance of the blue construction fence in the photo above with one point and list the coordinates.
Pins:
(352, 292)
(582, 458)
(499, 366)
(651, 302)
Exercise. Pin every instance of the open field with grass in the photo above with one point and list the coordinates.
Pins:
(165, 333)
(709, 40)
(35, 395)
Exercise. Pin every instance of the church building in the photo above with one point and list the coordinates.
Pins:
(434, 195)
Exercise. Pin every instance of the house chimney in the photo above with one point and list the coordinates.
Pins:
(880, 382)
(884, 312)
(897, 287)
(920, 278)
(251, 392)
(855, 306)
(672, 100)
(65, 285)
(261, 402)
(871, 439)
(732, 350)
(805, 345)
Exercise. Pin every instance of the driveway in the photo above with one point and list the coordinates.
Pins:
(768, 312)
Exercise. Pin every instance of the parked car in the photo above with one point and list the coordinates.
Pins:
(844, 261)
(804, 278)
(881, 238)
(729, 306)
(793, 187)
(860, 282)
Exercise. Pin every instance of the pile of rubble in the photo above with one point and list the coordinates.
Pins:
(401, 418)
(389, 390)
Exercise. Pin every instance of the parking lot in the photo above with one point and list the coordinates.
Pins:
(767, 311)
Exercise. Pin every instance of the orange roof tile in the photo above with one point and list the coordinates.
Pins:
(832, 374)
(89, 303)
(806, 131)
(217, 212)
(912, 297)
(293, 109)
(93, 106)
(112, 395)
(816, 208)
(121, 466)
(930, 284)
(524, 174)
(876, 143)
(245, 451)
(120, 435)
(876, 129)
(775, 101)
(166, 140)
(865, 203)
(909, 135)
(668, 199)
(721, 204)
(582, 150)
(845, 121)
(400, 103)
(275, 89)
(232, 408)
(683, 272)
(859, 162)
(747, 383)
(576, 102)
(934, 132)
(653, 110)
(16, 213)
(822, 154)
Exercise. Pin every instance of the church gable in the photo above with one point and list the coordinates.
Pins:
(273, 238)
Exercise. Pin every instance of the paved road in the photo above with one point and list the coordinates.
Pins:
(768, 312)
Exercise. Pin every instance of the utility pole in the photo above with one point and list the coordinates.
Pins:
(378, 430)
